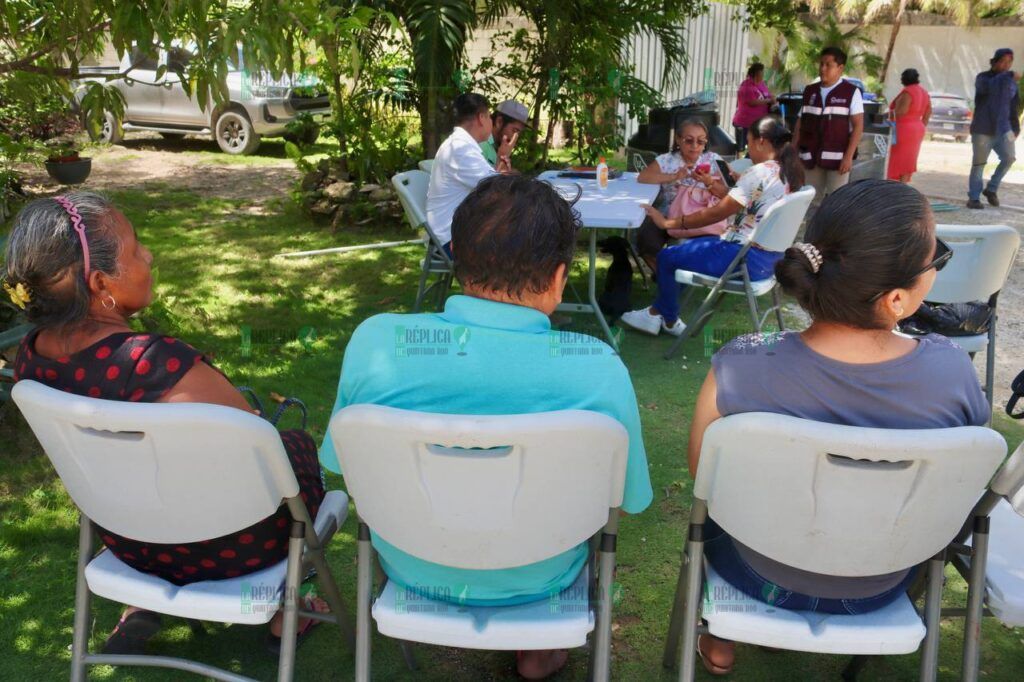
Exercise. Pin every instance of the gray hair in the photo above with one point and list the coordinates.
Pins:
(44, 253)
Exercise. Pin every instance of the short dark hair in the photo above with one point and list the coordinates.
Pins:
(510, 235)
(754, 68)
(910, 77)
(873, 237)
(468, 105)
(836, 54)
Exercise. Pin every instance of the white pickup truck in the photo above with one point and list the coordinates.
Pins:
(257, 105)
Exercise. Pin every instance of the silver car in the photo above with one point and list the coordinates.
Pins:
(257, 105)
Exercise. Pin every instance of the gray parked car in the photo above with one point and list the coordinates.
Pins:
(951, 115)
(257, 105)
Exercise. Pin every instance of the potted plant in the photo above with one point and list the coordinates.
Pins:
(64, 164)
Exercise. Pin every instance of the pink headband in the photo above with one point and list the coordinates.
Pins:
(76, 223)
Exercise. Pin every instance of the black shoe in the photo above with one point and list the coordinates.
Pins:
(974, 203)
(993, 198)
(132, 633)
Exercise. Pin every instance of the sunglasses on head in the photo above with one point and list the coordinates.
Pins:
(942, 255)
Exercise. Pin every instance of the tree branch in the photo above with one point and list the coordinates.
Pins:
(26, 63)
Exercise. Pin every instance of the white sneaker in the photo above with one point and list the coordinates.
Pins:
(677, 328)
(642, 321)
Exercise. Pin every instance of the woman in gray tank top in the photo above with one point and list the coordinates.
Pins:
(869, 259)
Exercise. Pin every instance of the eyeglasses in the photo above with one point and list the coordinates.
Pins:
(700, 142)
(942, 256)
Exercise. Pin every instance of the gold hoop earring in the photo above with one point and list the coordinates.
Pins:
(899, 313)
(113, 303)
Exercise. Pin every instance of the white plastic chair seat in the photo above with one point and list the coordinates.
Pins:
(894, 629)
(1004, 572)
(971, 344)
(760, 287)
(214, 600)
(542, 624)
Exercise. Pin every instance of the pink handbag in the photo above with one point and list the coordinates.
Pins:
(690, 199)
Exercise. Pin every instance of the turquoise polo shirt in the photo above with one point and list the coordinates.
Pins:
(485, 357)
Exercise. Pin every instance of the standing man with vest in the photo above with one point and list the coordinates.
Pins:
(830, 125)
(995, 126)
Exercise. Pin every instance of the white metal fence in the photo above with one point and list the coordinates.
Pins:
(718, 52)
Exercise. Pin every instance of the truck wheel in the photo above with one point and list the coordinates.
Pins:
(235, 134)
(110, 132)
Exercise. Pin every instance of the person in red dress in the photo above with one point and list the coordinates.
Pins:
(911, 110)
(77, 268)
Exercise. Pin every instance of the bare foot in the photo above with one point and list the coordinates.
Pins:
(718, 655)
(311, 604)
(538, 664)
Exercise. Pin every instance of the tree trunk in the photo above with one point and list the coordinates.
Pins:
(896, 23)
(331, 52)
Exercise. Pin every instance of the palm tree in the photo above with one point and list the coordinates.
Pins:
(817, 35)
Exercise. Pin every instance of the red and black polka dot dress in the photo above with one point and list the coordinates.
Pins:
(142, 367)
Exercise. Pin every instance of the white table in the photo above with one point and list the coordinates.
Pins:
(616, 208)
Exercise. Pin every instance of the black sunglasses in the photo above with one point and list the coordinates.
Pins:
(942, 255)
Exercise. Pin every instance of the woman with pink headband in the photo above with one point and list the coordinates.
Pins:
(76, 267)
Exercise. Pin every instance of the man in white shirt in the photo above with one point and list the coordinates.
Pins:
(830, 125)
(459, 164)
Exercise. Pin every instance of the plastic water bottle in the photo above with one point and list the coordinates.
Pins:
(602, 174)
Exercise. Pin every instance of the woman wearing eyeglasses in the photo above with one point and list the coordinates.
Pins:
(869, 259)
(690, 182)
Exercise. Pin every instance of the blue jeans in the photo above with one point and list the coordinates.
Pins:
(722, 555)
(984, 145)
(708, 256)
(448, 250)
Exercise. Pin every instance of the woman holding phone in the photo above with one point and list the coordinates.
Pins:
(687, 176)
(711, 246)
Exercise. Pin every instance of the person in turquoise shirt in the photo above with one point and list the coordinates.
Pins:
(492, 351)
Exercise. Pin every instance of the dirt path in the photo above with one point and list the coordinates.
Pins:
(192, 164)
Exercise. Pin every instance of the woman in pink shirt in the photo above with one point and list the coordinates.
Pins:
(753, 101)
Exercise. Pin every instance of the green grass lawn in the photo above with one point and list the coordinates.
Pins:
(216, 275)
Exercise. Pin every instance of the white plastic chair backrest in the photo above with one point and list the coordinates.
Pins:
(426, 164)
(842, 500)
(741, 165)
(481, 492)
(160, 472)
(411, 187)
(777, 229)
(982, 258)
(1009, 482)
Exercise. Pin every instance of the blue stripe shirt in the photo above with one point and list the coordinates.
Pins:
(485, 357)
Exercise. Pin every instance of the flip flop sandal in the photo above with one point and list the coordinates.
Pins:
(132, 633)
(716, 670)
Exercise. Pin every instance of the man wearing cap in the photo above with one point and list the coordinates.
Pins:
(995, 126)
(508, 120)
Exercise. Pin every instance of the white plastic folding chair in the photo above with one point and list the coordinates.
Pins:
(982, 258)
(776, 232)
(835, 500)
(180, 473)
(411, 187)
(484, 493)
(426, 165)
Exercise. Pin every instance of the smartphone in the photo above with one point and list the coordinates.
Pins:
(723, 168)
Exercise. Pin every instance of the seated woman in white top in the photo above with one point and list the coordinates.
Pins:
(776, 170)
(690, 181)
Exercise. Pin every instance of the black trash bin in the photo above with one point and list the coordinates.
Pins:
(655, 136)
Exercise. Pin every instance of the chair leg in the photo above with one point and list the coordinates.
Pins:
(697, 320)
(777, 301)
(83, 602)
(292, 583)
(932, 611)
(325, 579)
(425, 272)
(990, 367)
(364, 586)
(602, 651)
(854, 667)
(975, 599)
(691, 610)
(675, 623)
